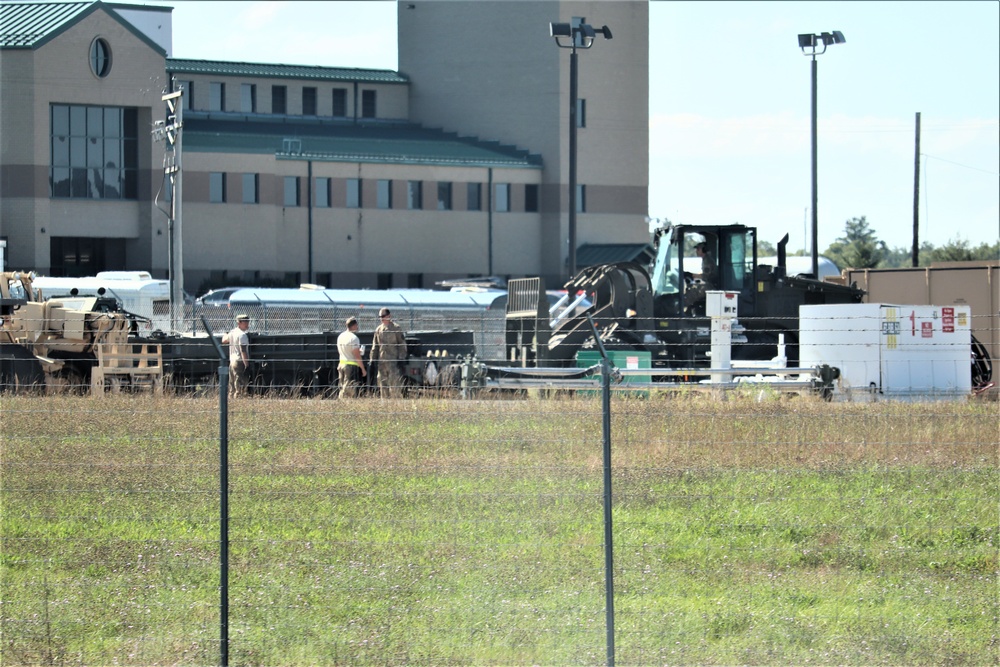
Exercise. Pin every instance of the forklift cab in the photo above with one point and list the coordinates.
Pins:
(683, 272)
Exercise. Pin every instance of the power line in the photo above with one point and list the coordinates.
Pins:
(959, 164)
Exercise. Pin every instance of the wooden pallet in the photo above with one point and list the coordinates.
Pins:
(127, 364)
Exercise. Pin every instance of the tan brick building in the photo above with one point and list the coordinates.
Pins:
(320, 174)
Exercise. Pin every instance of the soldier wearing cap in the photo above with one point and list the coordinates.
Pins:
(351, 368)
(239, 355)
(388, 350)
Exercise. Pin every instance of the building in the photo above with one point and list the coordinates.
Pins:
(454, 166)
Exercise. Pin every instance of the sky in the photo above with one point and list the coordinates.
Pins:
(730, 105)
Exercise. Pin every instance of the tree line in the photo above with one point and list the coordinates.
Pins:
(860, 248)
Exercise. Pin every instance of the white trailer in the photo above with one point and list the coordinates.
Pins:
(289, 310)
(137, 291)
(888, 350)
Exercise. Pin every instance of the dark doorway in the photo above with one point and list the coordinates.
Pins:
(72, 257)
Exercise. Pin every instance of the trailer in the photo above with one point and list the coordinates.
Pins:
(306, 311)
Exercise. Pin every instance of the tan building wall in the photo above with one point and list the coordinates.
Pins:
(503, 77)
(391, 100)
(352, 244)
(59, 72)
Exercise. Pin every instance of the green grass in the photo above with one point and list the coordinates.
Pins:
(447, 532)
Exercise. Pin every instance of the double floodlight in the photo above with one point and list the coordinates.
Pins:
(581, 34)
(816, 44)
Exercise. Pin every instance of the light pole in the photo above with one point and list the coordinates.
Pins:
(814, 45)
(581, 35)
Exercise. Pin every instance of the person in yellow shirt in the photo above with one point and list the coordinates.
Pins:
(351, 368)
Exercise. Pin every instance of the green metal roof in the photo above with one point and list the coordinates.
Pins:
(23, 24)
(345, 141)
(274, 71)
(590, 254)
(29, 25)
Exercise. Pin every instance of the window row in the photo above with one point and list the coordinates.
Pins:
(93, 152)
(246, 102)
(412, 196)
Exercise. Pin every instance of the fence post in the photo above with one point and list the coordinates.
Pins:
(609, 562)
(609, 554)
(223, 498)
(223, 515)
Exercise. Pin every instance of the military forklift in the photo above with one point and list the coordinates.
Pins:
(661, 308)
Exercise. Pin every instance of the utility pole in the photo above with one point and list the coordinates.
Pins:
(170, 132)
(916, 195)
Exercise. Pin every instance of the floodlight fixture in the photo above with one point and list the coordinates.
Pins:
(560, 30)
(814, 45)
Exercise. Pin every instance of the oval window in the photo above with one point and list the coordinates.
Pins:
(100, 57)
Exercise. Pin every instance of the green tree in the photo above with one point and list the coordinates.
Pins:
(902, 256)
(959, 250)
(858, 248)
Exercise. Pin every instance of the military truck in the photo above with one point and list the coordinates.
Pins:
(50, 343)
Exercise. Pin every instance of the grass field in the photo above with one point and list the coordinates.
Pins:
(774, 532)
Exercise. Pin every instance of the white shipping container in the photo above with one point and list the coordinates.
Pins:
(889, 350)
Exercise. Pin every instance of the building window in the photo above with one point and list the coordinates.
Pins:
(384, 194)
(340, 102)
(250, 189)
(216, 96)
(188, 97)
(100, 57)
(581, 198)
(248, 98)
(444, 196)
(308, 101)
(279, 99)
(322, 192)
(217, 187)
(581, 113)
(83, 256)
(354, 193)
(414, 195)
(531, 198)
(474, 197)
(291, 190)
(502, 197)
(368, 104)
(94, 152)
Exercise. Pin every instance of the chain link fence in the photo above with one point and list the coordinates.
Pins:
(759, 529)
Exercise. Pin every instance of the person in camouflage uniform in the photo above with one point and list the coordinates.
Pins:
(388, 351)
